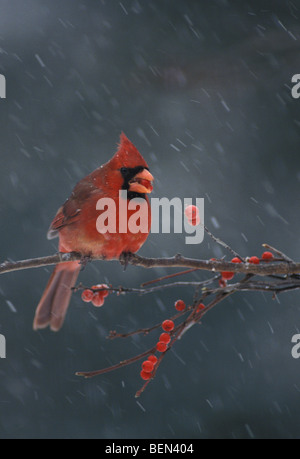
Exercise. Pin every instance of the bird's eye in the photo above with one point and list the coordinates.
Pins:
(123, 170)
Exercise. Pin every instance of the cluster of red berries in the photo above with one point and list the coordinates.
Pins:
(148, 367)
(161, 346)
(165, 338)
(192, 214)
(97, 298)
(228, 275)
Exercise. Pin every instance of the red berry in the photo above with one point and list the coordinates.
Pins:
(222, 283)
(98, 299)
(254, 260)
(153, 359)
(236, 260)
(200, 307)
(168, 325)
(165, 338)
(161, 347)
(147, 366)
(180, 305)
(267, 256)
(144, 375)
(191, 212)
(194, 221)
(228, 275)
(87, 295)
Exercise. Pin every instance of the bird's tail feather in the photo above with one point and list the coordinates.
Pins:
(54, 303)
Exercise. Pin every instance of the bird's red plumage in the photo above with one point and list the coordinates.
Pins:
(75, 224)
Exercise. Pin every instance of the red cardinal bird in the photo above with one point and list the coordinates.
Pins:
(76, 225)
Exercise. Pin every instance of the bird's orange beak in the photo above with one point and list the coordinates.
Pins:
(142, 182)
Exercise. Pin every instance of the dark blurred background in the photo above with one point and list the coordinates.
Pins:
(203, 89)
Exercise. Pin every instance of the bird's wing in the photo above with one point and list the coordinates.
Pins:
(70, 211)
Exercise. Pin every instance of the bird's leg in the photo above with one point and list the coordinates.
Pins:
(125, 258)
(84, 261)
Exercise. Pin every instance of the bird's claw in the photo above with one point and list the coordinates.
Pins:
(84, 261)
(125, 258)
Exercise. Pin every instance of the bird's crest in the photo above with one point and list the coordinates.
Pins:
(127, 155)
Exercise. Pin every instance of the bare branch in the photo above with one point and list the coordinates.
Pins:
(143, 291)
(9, 266)
(277, 266)
(263, 269)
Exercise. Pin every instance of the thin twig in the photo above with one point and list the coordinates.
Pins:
(278, 252)
(169, 276)
(143, 291)
(91, 374)
(113, 334)
(223, 244)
